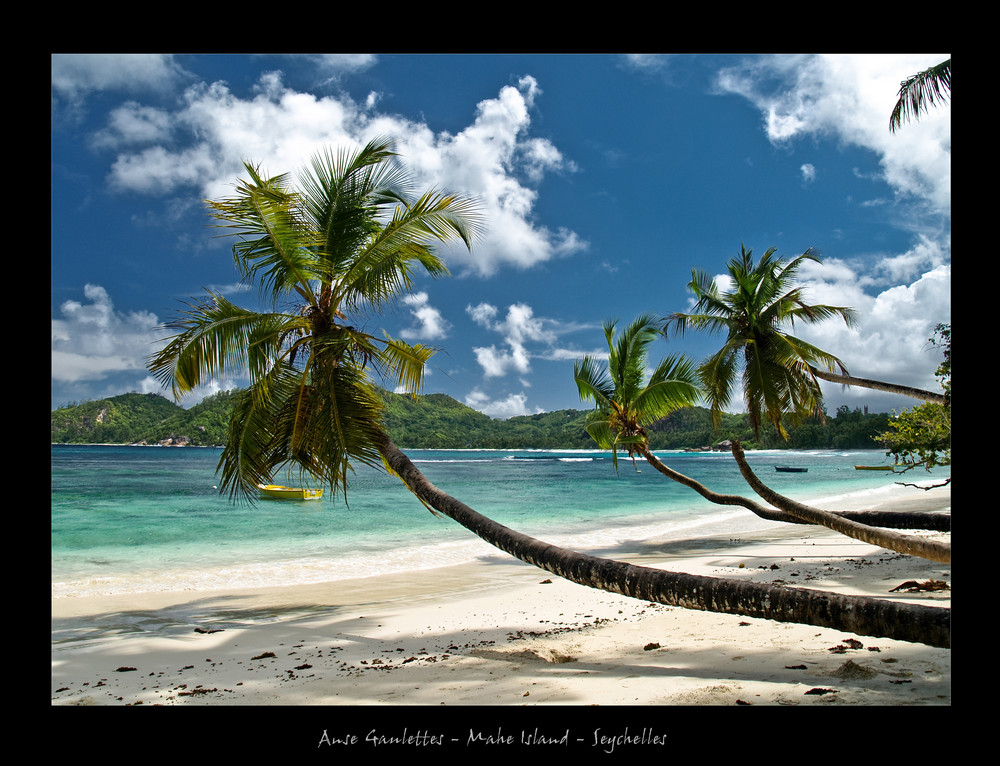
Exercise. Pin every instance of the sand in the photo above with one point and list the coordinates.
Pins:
(507, 634)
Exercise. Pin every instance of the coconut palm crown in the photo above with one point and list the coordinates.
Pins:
(324, 256)
(772, 367)
(626, 399)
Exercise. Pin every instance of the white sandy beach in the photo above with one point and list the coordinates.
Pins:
(506, 634)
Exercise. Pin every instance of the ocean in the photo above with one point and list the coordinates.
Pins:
(147, 519)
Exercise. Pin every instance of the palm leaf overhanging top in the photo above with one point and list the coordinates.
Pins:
(919, 92)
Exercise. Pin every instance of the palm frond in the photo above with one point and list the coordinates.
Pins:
(593, 381)
(274, 249)
(215, 338)
(758, 355)
(626, 401)
(382, 266)
(671, 387)
(919, 92)
(349, 238)
(404, 364)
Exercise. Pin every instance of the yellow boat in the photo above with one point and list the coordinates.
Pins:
(278, 492)
(874, 468)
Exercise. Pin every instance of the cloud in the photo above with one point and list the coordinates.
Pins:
(430, 324)
(850, 97)
(99, 351)
(93, 341)
(334, 65)
(75, 77)
(77, 74)
(133, 123)
(521, 329)
(808, 172)
(200, 146)
(518, 328)
(513, 405)
(894, 324)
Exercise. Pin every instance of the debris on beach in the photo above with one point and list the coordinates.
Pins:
(851, 669)
(912, 586)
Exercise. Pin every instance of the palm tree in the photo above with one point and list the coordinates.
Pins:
(918, 92)
(627, 401)
(776, 371)
(860, 615)
(347, 243)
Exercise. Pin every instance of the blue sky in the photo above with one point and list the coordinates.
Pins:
(604, 179)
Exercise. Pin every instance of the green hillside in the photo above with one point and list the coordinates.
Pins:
(437, 421)
(142, 418)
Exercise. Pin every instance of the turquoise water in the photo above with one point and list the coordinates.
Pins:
(139, 519)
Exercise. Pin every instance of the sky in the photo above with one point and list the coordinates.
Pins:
(604, 180)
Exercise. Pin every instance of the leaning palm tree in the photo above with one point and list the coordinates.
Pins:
(626, 402)
(627, 397)
(774, 370)
(345, 244)
(920, 91)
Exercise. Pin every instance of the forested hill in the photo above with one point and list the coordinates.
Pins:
(437, 421)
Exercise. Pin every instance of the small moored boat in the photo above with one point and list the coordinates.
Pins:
(278, 492)
(874, 468)
(790, 469)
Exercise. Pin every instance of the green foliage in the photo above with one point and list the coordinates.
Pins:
(111, 421)
(942, 339)
(433, 421)
(437, 421)
(627, 397)
(136, 418)
(344, 243)
(759, 360)
(922, 435)
(205, 424)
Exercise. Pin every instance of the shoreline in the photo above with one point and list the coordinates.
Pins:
(615, 538)
(504, 633)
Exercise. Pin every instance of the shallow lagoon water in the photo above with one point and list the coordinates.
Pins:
(140, 519)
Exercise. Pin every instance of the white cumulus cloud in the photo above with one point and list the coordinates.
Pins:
(851, 96)
(430, 324)
(200, 145)
(508, 407)
(92, 340)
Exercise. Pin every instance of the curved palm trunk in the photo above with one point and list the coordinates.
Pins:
(937, 522)
(854, 614)
(914, 546)
(851, 525)
(878, 385)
